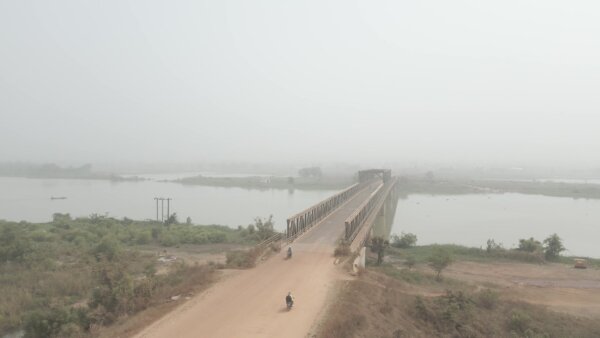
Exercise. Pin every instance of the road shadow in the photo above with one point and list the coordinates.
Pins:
(283, 309)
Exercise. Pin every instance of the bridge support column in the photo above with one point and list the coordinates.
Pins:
(360, 262)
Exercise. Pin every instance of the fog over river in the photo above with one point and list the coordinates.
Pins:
(461, 219)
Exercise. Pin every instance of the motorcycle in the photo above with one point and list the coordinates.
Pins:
(289, 253)
(289, 304)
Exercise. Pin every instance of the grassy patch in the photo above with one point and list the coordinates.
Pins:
(421, 254)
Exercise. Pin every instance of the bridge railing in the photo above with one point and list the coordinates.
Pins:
(304, 220)
(354, 222)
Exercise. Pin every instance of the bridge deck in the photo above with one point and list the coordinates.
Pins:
(251, 303)
(325, 234)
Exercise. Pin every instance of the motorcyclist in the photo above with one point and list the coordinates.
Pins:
(289, 252)
(289, 300)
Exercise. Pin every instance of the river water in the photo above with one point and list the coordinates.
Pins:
(29, 199)
(473, 219)
(462, 219)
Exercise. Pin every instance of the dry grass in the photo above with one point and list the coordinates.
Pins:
(185, 281)
(243, 259)
(376, 305)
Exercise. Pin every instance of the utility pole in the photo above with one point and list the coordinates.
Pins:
(168, 208)
(156, 199)
(162, 207)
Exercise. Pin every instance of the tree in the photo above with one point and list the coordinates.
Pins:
(378, 245)
(310, 172)
(553, 247)
(529, 245)
(439, 260)
(493, 246)
(264, 227)
(404, 240)
(172, 219)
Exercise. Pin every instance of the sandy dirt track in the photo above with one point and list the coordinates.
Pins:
(252, 302)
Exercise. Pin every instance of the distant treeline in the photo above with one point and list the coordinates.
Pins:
(424, 185)
(271, 182)
(547, 188)
(51, 170)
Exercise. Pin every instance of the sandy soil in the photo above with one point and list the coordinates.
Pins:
(252, 302)
(560, 287)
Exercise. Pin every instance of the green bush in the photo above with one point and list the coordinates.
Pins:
(56, 322)
(405, 240)
(439, 260)
(553, 247)
(144, 237)
(530, 245)
(519, 323)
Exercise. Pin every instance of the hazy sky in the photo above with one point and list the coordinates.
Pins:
(514, 81)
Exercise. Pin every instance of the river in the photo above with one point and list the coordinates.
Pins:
(473, 219)
(462, 219)
(29, 200)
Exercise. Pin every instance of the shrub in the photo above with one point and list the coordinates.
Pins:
(45, 323)
(108, 248)
(487, 299)
(405, 240)
(168, 240)
(519, 323)
(143, 238)
(421, 310)
(343, 249)
(529, 245)
(217, 237)
(55, 322)
(410, 261)
(492, 246)
(242, 258)
(439, 260)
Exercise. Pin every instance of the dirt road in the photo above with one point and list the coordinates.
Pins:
(252, 302)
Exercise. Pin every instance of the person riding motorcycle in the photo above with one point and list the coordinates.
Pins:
(289, 252)
(289, 300)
